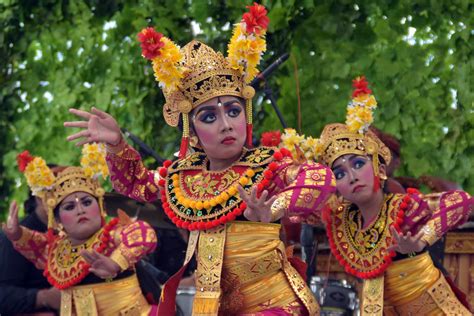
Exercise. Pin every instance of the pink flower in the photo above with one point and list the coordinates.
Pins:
(23, 160)
(150, 42)
(256, 19)
(360, 86)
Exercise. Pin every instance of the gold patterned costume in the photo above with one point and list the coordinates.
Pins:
(236, 260)
(409, 285)
(393, 285)
(91, 295)
(122, 240)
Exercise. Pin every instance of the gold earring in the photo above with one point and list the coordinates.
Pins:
(194, 141)
(383, 177)
(61, 231)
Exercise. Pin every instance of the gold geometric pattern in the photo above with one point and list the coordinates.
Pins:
(197, 183)
(372, 297)
(364, 250)
(72, 179)
(439, 297)
(209, 270)
(337, 140)
(208, 75)
(461, 242)
(299, 286)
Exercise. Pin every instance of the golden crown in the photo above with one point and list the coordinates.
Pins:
(208, 75)
(71, 180)
(337, 140)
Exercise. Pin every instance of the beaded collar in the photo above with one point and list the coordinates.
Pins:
(196, 198)
(363, 251)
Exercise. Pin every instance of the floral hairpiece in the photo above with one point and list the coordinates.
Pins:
(93, 160)
(38, 175)
(291, 140)
(360, 109)
(165, 56)
(247, 44)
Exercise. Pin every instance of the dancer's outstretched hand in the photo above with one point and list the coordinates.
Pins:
(407, 243)
(97, 126)
(258, 208)
(12, 229)
(101, 265)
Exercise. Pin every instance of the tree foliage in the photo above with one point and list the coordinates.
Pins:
(417, 55)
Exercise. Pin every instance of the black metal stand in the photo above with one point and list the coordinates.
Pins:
(308, 250)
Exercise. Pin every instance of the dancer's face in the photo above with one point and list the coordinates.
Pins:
(220, 127)
(355, 177)
(79, 213)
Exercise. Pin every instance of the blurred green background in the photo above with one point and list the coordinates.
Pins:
(416, 54)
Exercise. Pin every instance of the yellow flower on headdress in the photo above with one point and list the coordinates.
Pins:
(359, 111)
(247, 44)
(38, 175)
(165, 56)
(166, 66)
(365, 100)
(318, 149)
(290, 138)
(309, 146)
(93, 160)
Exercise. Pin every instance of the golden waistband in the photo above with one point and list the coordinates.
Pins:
(256, 271)
(256, 268)
(248, 243)
(407, 279)
(242, 226)
(437, 300)
(119, 297)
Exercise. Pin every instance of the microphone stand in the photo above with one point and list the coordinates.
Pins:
(144, 149)
(267, 90)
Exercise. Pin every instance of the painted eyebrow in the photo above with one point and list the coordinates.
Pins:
(82, 199)
(213, 107)
(339, 166)
(351, 158)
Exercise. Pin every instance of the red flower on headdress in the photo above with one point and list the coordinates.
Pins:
(150, 42)
(23, 160)
(270, 139)
(360, 86)
(256, 19)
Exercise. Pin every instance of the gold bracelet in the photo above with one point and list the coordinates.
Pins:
(429, 234)
(278, 208)
(114, 149)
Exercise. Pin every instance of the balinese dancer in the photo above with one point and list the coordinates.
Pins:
(89, 260)
(229, 195)
(382, 237)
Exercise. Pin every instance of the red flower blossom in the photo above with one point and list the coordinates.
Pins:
(360, 86)
(23, 160)
(270, 139)
(256, 19)
(150, 42)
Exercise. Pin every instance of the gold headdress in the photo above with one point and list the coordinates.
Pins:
(53, 189)
(354, 137)
(196, 73)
